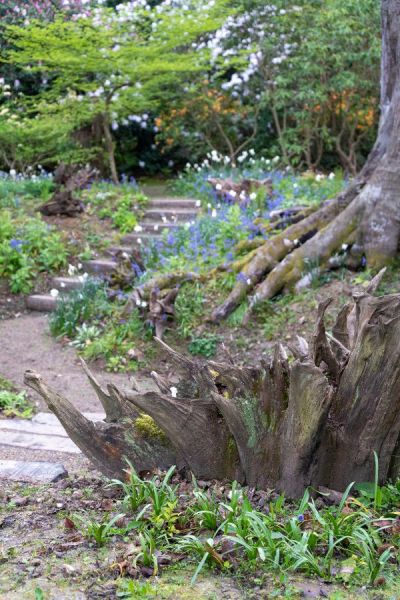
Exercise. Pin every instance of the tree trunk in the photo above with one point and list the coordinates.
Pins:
(313, 422)
(110, 149)
(366, 215)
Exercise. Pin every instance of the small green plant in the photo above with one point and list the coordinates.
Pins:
(129, 589)
(99, 531)
(15, 404)
(79, 307)
(147, 555)
(135, 489)
(189, 308)
(85, 335)
(204, 346)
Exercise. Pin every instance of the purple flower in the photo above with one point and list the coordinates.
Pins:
(16, 244)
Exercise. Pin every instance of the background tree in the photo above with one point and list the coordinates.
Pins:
(110, 68)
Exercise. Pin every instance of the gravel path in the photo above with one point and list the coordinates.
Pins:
(25, 343)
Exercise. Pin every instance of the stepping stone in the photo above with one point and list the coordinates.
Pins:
(137, 239)
(173, 203)
(39, 441)
(40, 472)
(114, 250)
(100, 266)
(179, 214)
(158, 226)
(41, 302)
(66, 284)
(43, 432)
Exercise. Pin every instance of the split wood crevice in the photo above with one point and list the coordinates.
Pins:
(283, 424)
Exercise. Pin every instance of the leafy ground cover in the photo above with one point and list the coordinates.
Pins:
(14, 403)
(166, 538)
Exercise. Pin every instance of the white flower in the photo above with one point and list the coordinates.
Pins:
(79, 266)
(248, 281)
(155, 227)
(54, 293)
(143, 304)
(13, 172)
(198, 203)
(218, 187)
(253, 196)
(214, 213)
(331, 176)
(164, 219)
(62, 284)
(138, 303)
(345, 246)
(138, 228)
(174, 391)
(139, 240)
(142, 164)
(232, 193)
(71, 270)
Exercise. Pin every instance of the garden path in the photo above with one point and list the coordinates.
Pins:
(26, 343)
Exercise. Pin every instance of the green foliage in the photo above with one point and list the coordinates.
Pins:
(129, 589)
(122, 204)
(99, 531)
(15, 404)
(352, 543)
(17, 189)
(189, 307)
(27, 247)
(204, 346)
(102, 70)
(79, 307)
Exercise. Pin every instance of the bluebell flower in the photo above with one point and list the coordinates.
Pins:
(16, 244)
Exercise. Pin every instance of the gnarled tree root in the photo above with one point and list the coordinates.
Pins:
(315, 421)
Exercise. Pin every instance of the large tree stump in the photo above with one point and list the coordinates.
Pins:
(287, 425)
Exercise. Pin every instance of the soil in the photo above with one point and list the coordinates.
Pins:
(25, 343)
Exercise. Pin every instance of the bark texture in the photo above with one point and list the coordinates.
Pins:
(314, 421)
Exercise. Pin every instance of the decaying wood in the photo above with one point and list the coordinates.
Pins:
(287, 425)
(68, 180)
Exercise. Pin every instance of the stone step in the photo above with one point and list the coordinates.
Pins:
(41, 302)
(37, 441)
(173, 203)
(114, 250)
(43, 432)
(157, 226)
(137, 239)
(32, 472)
(67, 284)
(100, 266)
(179, 214)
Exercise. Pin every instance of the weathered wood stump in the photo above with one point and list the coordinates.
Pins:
(314, 421)
(68, 180)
